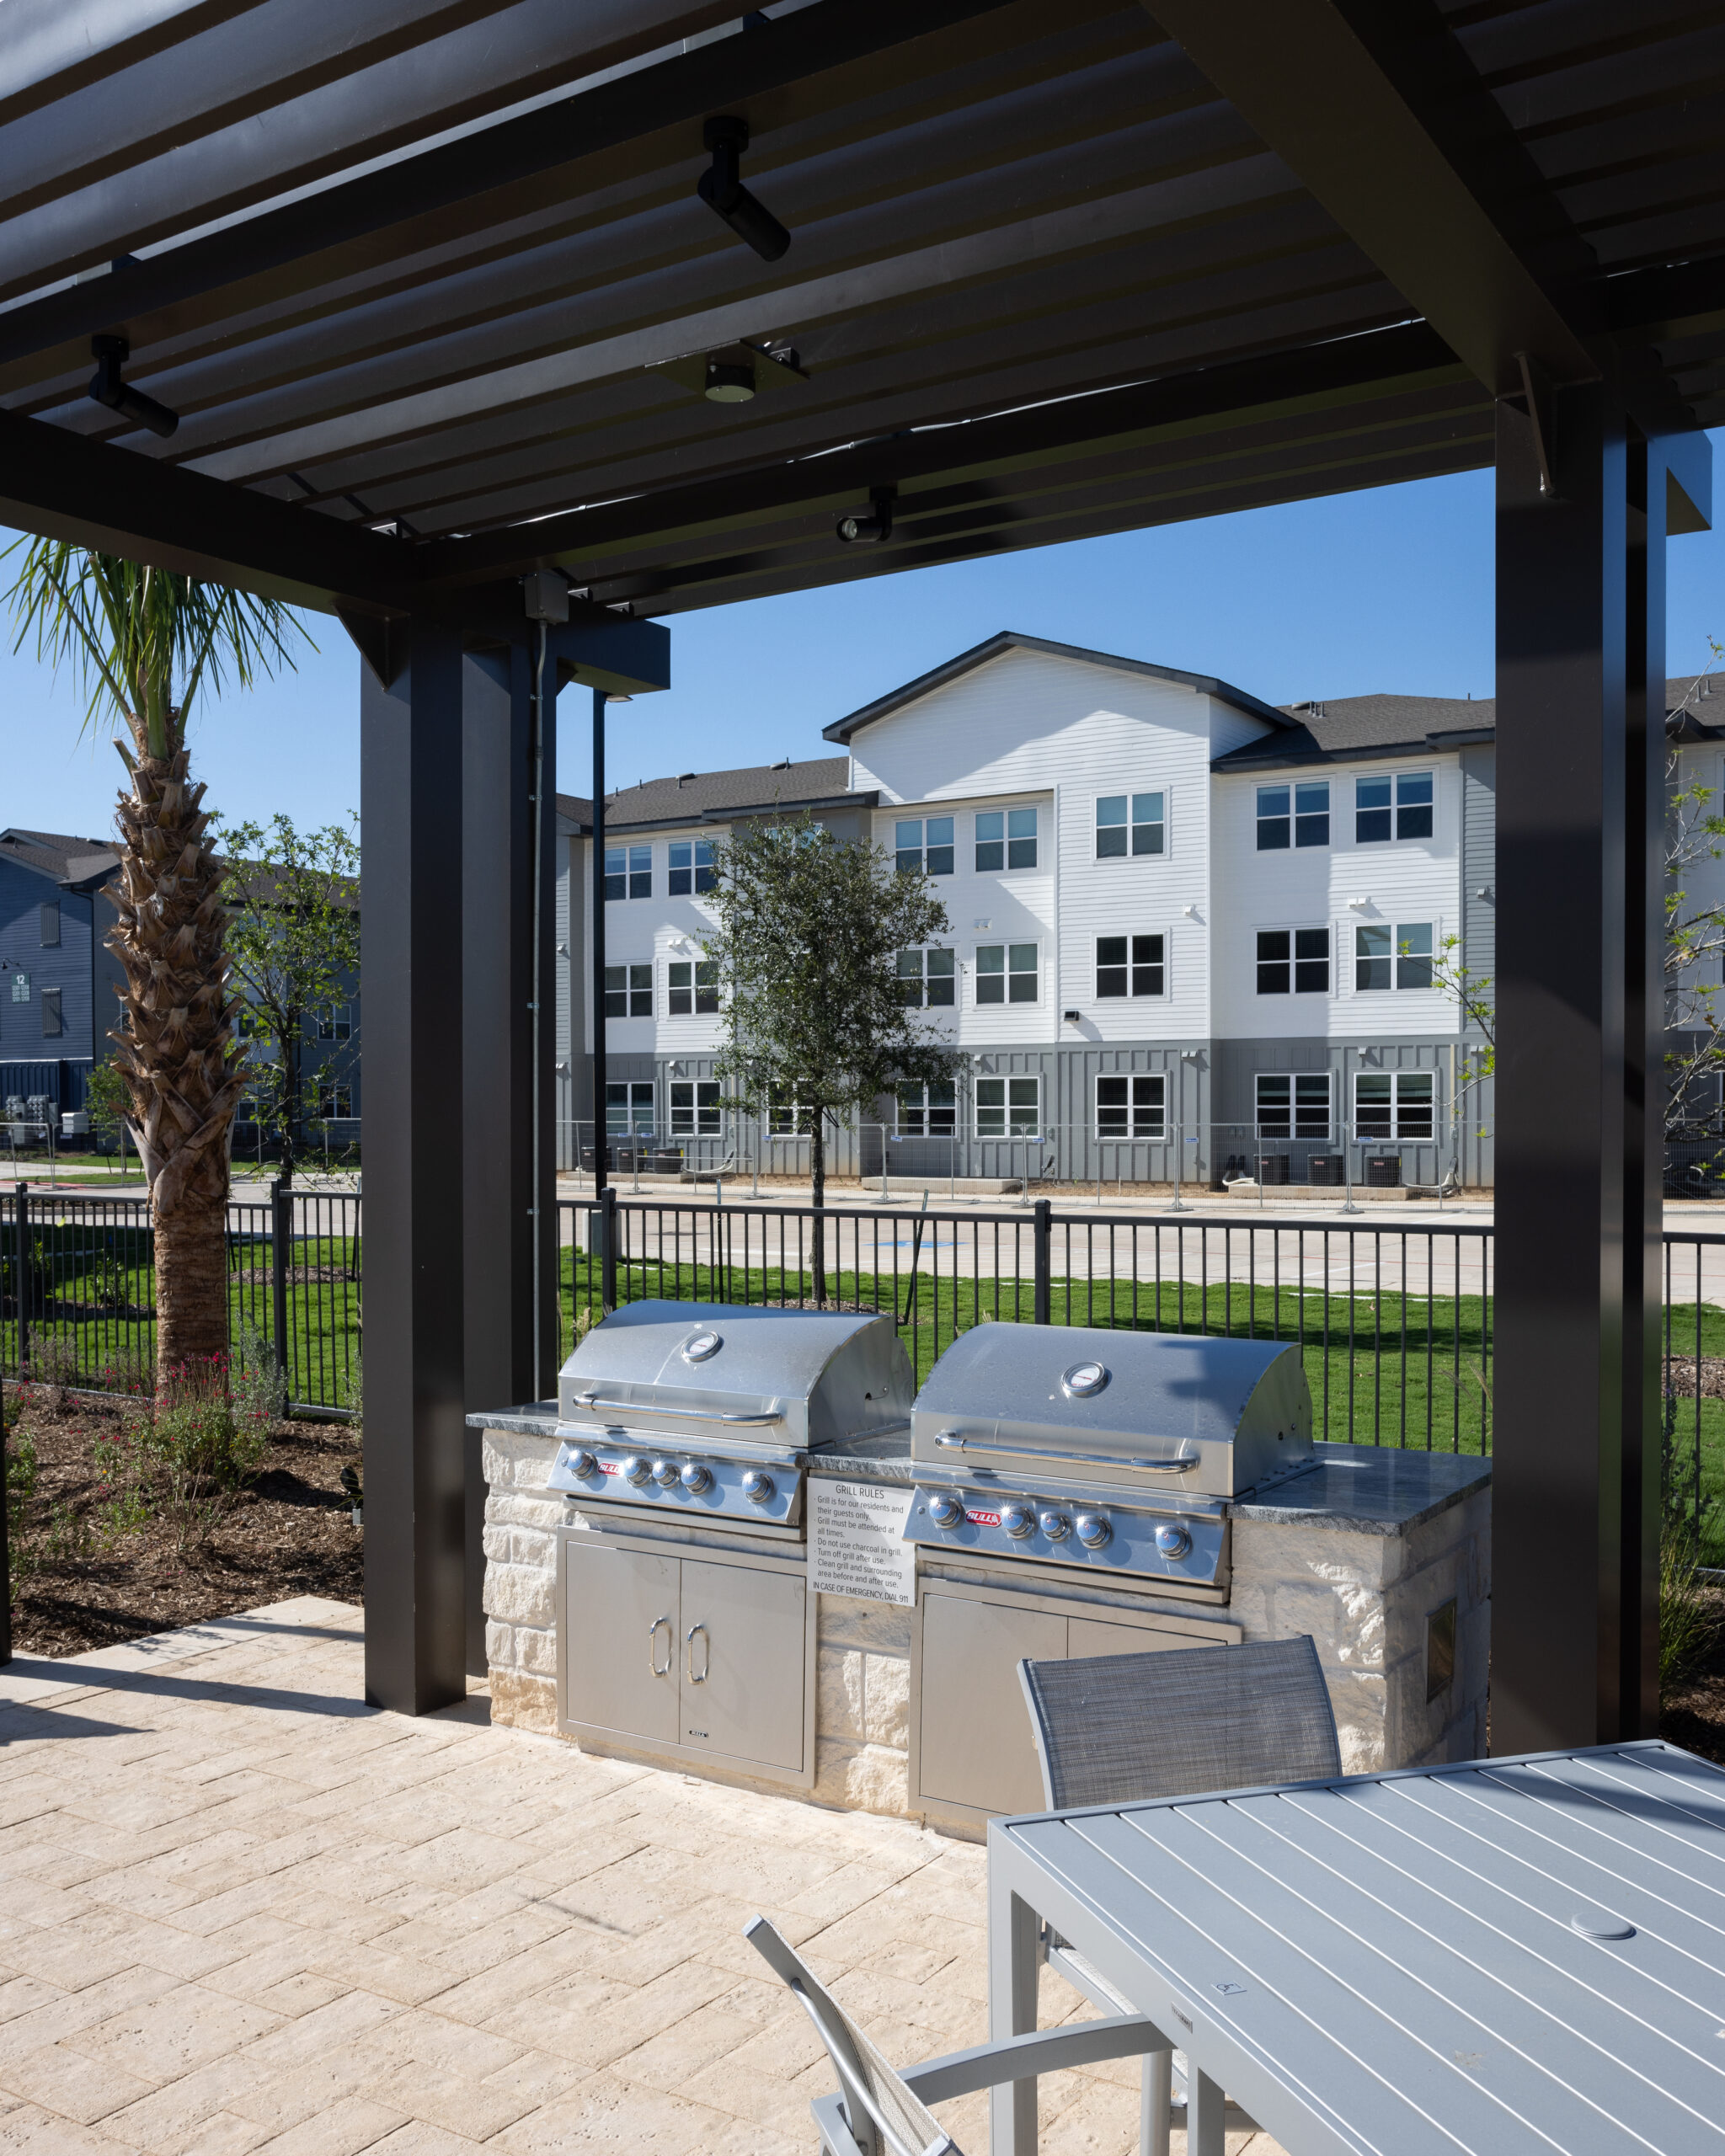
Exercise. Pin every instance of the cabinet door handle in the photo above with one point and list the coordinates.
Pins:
(706, 1653)
(660, 1668)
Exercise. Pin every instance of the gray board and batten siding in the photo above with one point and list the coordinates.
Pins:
(57, 978)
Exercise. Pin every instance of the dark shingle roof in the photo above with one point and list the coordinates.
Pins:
(57, 854)
(842, 729)
(712, 796)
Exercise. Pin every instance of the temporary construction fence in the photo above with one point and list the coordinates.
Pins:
(1393, 1317)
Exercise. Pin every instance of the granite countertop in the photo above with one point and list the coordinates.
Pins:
(1364, 1489)
(1370, 1489)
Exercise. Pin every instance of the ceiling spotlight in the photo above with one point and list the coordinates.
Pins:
(877, 526)
(729, 382)
(106, 388)
(721, 188)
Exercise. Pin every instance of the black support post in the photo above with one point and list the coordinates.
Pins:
(600, 1120)
(412, 984)
(1580, 711)
(280, 1250)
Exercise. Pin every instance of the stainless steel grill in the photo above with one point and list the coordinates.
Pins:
(1114, 1451)
(707, 1409)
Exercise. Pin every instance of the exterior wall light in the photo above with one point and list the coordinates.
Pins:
(729, 382)
(877, 526)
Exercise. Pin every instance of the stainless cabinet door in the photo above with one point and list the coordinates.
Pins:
(975, 1744)
(1087, 1635)
(621, 1639)
(741, 1649)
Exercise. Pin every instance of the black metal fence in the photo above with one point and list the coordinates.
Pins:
(78, 1290)
(1394, 1321)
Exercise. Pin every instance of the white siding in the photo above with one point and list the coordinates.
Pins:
(1403, 881)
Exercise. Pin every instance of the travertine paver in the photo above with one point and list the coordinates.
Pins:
(240, 1910)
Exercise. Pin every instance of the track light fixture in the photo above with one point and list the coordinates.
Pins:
(110, 353)
(722, 189)
(728, 381)
(877, 526)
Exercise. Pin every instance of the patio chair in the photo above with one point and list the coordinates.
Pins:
(879, 2111)
(1113, 1728)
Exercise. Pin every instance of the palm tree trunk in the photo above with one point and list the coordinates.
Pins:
(175, 1049)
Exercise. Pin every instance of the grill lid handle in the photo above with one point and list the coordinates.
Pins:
(1170, 1463)
(699, 1414)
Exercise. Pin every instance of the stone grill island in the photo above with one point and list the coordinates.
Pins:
(791, 1575)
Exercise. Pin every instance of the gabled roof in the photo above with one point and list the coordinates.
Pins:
(967, 662)
(714, 796)
(1346, 727)
(57, 854)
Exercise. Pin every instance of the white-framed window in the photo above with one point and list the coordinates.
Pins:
(628, 991)
(1131, 825)
(335, 1023)
(1293, 961)
(1005, 838)
(335, 1101)
(1006, 973)
(926, 1111)
(628, 872)
(1131, 965)
(628, 1107)
(1398, 807)
(786, 1118)
(923, 846)
(1008, 1107)
(1387, 955)
(695, 1108)
(692, 869)
(1297, 814)
(928, 978)
(1293, 1104)
(1132, 1104)
(1395, 1104)
(692, 988)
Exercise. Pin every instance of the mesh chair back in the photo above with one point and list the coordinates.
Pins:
(1115, 1727)
(882, 2112)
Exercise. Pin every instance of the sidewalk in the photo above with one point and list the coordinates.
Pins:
(243, 1911)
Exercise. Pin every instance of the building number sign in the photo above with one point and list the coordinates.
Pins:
(21, 988)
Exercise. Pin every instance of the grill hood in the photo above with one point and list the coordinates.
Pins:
(737, 1376)
(1171, 1413)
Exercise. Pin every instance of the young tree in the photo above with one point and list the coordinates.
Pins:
(293, 939)
(806, 943)
(144, 643)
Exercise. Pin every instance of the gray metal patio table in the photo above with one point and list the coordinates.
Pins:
(1504, 1956)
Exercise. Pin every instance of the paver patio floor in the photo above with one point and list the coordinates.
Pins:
(240, 1910)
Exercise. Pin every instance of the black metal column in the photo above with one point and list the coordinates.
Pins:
(600, 1119)
(411, 980)
(508, 1358)
(1580, 675)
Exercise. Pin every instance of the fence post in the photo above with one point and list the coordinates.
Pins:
(281, 1242)
(607, 1250)
(25, 1281)
(1042, 1234)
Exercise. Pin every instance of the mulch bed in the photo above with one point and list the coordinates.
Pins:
(291, 1531)
(1694, 1713)
(1681, 1380)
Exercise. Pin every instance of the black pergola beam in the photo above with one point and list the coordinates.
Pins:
(101, 495)
(1376, 107)
(432, 196)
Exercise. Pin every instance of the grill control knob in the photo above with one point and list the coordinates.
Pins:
(1094, 1531)
(637, 1469)
(697, 1478)
(580, 1464)
(1018, 1521)
(664, 1473)
(1172, 1541)
(1054, 1525)
(758, 1486)
(945, 1509)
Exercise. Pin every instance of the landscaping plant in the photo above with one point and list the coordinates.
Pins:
(145, 642)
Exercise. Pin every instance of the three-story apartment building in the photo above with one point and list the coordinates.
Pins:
(1180, 917)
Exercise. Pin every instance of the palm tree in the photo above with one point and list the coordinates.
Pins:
(144, 642)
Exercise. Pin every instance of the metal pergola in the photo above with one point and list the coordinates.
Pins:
(433, 300)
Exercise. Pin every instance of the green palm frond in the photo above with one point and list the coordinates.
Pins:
(143, 641)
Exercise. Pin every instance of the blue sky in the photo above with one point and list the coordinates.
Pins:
(1389, 590)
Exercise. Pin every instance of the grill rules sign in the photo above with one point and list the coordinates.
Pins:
(856, 1541)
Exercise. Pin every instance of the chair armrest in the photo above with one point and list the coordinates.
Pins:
(1043, 2051)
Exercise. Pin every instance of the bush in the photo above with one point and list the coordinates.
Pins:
(256, 1382)
(1689, 1611)
(205, 1455)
